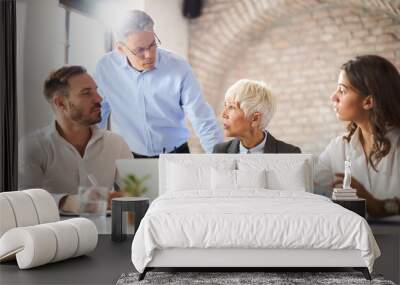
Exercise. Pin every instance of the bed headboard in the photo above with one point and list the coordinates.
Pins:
(268, 159)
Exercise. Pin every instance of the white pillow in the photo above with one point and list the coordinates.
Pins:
(183, 177)
(251, 179)
(224, 179)
(281, 173)
(193, 175)
(292, 179)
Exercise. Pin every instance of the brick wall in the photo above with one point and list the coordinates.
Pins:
(296, 47)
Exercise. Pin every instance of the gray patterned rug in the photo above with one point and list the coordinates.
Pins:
(225, 278)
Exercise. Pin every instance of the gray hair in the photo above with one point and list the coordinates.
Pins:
(253, 96)
(134, 21)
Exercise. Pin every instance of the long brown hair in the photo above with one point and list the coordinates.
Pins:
(376, 76)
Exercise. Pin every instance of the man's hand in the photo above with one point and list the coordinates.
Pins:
(70, 203)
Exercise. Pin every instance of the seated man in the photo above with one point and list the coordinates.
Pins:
(71, 150)
(248, 109)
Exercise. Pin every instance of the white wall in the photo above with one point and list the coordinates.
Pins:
(39, 50)
(86, 41)
(171, 27)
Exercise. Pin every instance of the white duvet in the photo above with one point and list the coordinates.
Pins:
(256, 218)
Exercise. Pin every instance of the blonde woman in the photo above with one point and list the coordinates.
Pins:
(248, 109)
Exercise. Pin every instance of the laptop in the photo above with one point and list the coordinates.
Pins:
(141, 167)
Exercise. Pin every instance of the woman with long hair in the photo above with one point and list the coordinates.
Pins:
(368, 97)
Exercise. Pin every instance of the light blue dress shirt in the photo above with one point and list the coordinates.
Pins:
(257, 149)
(148, 108)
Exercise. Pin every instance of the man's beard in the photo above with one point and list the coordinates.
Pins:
(78, 116)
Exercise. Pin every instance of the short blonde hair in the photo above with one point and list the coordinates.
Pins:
(253, 96)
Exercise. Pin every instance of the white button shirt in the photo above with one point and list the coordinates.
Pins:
(48, 161)
(383, 184)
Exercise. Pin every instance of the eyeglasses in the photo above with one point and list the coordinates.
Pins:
(141, 51)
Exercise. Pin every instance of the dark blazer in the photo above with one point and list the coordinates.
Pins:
(272, 145)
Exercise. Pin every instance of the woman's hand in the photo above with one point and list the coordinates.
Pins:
(361, 191)
(375, 207)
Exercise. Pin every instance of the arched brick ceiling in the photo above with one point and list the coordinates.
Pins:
(232, 24)
(238, 19)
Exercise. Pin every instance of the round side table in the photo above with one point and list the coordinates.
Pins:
(137, 205)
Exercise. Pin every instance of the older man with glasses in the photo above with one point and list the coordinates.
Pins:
(148, 90)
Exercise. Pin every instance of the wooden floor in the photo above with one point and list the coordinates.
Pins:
(102, 266)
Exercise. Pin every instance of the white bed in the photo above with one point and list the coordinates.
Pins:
(220, 211)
